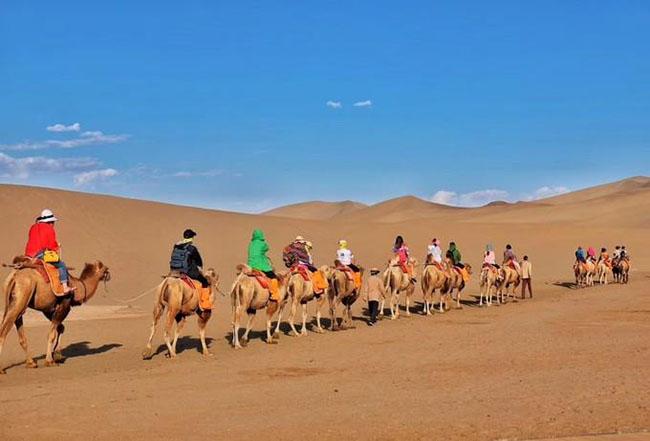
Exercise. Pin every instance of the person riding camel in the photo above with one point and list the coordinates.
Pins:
(580, 256)
(489, 257)
(624, 254)
(186, 260)
(617, 252)
(453, 254)
(591, 254)
(510, 258)
(345, 258)
(259, 261)
(434, 253)
(604, 257)
(42, 245)
(401, 251)
(298, 254)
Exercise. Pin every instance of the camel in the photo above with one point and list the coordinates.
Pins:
(341, 291)
(455, 282)
(248, 295)
(603, 271)
(584, 273)
(180, 301)
(621, 270)
(510, 280)
(433, 278)
(397, 281)
(490, 282)
(300, 292)
(26, 288)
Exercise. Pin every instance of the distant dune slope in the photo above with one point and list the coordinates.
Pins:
(316, 210)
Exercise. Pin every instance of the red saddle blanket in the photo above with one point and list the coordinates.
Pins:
(264, 281)
(303, 271)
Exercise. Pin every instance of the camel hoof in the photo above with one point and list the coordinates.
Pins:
(272, 342)
(244, 342)
(3, 372)
(208, 354)
(147, 354)
(31, 364)
(51, 363)
(319, 330)
(303, 333)
(237, 346)
(58, 356)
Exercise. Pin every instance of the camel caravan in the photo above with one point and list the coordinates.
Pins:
(588, 268)
(40, 280)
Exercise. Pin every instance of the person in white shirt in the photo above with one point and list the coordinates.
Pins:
(435, 252)
(345, 257)
(489, 258)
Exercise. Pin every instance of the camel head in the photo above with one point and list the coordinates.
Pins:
(212, 277)
(468, 267)
(96, 270)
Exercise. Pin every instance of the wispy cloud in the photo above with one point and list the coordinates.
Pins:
(92, 176)
(366, 103)
(83, 139)
(198, 174)
(22, 168)
(334, 104)
(63, 128)
(548, 191)
(472, 199)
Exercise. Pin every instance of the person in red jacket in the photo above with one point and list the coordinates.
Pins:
(42, 238)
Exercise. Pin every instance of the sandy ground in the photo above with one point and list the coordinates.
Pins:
(566, 363)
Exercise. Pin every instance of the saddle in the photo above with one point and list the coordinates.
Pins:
(302, 270)
(48, 272)
(205, 294)
(436, 264)
(262, 279)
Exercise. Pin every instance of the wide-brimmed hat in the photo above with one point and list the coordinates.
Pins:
(46, 216)
(300, 239)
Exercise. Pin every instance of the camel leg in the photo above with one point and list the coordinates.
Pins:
(381, 307)
(319, 304)
(202, 322)
(276, 331)
(249, 325)
(303, 331)
(9, 319)
(292, 316)
(408, 305)
(235, 327)
(51, 339)
(180, 323)
(169, 324)
(157, 312)
(333, 321)
(22, 339)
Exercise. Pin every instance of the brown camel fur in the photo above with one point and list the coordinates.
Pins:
(433, 278)
(621, 269)
(490, 282)
(603, 271)
(300, 292)
(396, 281)
(584, 273)
(247, 295)
(456, 282)
(341, 291)
(180, 301)
(26, 288)
(510, 280)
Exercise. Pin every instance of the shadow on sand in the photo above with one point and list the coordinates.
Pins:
(73, 350)
(184, 344)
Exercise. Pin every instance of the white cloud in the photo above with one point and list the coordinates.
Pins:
(472, 199)
(198, 174)
(63, 128)
(334, 104)
(83, 139)
(366, 103)
(22, 168)
(547, 192)
(89, 177)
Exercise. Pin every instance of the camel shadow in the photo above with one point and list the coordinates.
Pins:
(568, 285)
(73, 350)
(183, 344)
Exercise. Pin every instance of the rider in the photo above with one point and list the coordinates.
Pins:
(604, 257)
(624, 254)
(510, 258)
(187, 260)
(298, 253)
(345, 257)
(258, 260)
(42, 245)
(580, 255)
(489, 257)
(591, 254)
(402, 252)
(434, 253)
(617, 252)
(454, 255)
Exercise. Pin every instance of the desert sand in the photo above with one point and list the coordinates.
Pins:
(566, 363)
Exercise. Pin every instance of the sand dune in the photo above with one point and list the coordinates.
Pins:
(316, 210)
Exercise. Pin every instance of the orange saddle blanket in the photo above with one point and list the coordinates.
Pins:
(205, 297)
(51, 275)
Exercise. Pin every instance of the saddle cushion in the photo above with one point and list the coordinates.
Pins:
(205, 297)
(264, 281)
(51, 275)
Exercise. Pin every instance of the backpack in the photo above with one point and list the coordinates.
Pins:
(289, 256)
(180, 260)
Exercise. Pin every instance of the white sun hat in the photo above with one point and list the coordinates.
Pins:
(46, 216)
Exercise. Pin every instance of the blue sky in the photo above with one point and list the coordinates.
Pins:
(224, 104)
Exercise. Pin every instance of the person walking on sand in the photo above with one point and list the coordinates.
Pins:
(526, 276)
(373, 293)
(42, 245)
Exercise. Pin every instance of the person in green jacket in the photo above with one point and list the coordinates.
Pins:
(258, 260)
(454, 254)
